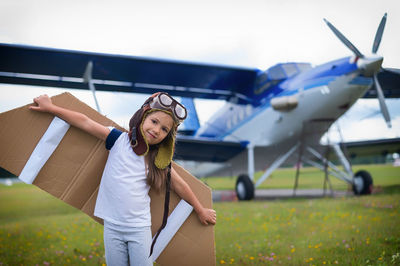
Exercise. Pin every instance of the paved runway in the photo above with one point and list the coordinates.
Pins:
(271, 194)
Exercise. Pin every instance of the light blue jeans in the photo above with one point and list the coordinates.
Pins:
(127, 246)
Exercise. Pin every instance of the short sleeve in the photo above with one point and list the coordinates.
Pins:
(112, 137)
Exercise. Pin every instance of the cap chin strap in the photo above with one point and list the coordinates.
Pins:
(165, 153)
(166, 208)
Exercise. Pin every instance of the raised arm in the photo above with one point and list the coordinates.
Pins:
(206, 216)
(73, 118)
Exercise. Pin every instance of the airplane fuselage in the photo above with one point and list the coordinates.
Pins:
(322, 95)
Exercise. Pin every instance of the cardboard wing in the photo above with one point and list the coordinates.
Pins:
(68, 163)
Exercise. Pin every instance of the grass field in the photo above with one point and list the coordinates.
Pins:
(37, 229)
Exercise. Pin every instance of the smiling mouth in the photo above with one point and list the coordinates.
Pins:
(151, 135)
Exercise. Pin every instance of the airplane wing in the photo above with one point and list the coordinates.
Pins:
(372, 147)
(64, 68)
(43, 66)
(206, 150)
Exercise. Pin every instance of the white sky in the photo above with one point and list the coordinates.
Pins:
(241, 33)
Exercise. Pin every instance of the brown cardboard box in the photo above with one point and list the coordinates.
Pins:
(73, 171)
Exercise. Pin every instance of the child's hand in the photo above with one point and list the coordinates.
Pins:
(207, 216)
(43, 102)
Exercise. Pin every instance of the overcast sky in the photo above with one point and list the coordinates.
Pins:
(241, 33)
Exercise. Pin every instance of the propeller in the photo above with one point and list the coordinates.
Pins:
(373, 62)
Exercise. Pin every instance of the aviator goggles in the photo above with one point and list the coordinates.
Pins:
(164, 101)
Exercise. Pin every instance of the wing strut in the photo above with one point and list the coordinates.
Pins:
(87, 78)
(250, 160)
(347, 177)
(343, 159)
(278, 162)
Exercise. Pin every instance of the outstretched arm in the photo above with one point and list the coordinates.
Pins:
(206, 216)
(73, 118)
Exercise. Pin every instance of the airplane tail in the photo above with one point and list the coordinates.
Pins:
(191, 123)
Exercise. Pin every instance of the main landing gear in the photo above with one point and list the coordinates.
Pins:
(362, 183)
(244, 188)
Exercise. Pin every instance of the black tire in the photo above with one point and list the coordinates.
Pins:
(244, 188)
(362, 183)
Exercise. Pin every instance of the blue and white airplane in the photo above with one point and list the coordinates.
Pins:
(270, 117)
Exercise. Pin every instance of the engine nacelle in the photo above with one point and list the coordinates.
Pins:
(284, 103)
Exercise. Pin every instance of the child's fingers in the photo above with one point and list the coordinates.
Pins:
(213, 220)
(212, 217)
(208, 216)
(41, 98)
(40, 103)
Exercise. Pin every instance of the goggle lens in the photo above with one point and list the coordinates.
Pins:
(165, 100)
(180, 112)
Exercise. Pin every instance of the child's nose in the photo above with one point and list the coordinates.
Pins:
(157, 130)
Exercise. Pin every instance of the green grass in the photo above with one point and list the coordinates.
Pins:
(36, 228)
(346, 231)
(310, 177)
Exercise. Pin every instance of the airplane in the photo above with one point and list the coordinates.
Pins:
(270, 117)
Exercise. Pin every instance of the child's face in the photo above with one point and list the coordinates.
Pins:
(156, 127)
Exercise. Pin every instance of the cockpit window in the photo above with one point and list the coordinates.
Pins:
(287, 70)
(278, 73)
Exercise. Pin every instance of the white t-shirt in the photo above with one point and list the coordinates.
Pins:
(123, 197)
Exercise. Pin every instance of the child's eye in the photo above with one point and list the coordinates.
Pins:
(165, 129)
(154, 121)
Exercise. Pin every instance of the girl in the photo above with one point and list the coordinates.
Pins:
(137, 161)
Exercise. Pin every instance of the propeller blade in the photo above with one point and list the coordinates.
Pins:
(382, 102)
(378, 35)
(344, 40)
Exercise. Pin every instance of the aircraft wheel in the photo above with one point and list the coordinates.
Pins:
(362, 183)
(244, 188)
